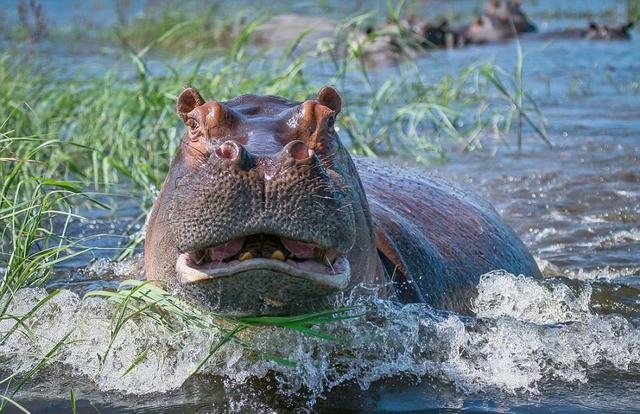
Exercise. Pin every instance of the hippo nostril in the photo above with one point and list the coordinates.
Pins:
(229, 150)
(298, 150)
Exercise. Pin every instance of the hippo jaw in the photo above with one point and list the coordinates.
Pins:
(262, 273)
(265, 253)
(335, 277)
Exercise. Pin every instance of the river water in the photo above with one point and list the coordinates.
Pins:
(568, 343)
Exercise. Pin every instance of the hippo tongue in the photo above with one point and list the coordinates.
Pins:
(228, 249)
(299, 249)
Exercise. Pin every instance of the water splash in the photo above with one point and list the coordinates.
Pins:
(526, 333)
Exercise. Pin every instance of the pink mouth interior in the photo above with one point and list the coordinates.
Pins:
(299, 249)
(226, 250)
(296, 253)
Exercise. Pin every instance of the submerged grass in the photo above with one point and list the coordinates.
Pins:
(136, 299)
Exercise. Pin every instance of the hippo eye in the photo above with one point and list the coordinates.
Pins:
(192, 123)
(193, 126)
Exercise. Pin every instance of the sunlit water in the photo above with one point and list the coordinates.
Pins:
(569, 343)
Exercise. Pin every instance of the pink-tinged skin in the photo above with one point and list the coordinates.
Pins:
(223, 251)
(299, 249)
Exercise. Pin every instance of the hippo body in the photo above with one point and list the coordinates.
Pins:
(264, 211)
(435, 239)
(595, 31)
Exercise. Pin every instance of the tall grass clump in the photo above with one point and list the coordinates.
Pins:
(35, 214)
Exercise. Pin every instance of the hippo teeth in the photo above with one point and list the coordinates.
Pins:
(262, 246)
(245, 256)
(278, 255)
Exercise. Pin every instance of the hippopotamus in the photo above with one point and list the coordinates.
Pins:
(485, 29)
(594, 31)
(502, 20)
(264, 211)
(439, 35)
(509, 12)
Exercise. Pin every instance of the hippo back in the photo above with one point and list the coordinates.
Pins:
(435, 239)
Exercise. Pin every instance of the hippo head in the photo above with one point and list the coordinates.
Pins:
(484, 29)
(262, 210)
(510, 12)
(597, 31)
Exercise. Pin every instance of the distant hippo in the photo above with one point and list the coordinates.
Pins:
(502, 20)
(439, 35)
(509, 12)
(485, 29)
(595, 31)
(263, 211)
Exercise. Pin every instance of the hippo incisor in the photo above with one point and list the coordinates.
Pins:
(264, 211)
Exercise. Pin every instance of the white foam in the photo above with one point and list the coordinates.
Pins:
(527, 332)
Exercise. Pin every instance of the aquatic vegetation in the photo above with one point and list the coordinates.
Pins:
(35, 213)
(633, 10)
(142, 299)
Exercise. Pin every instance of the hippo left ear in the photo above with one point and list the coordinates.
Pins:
(187, 101)
(330, 98)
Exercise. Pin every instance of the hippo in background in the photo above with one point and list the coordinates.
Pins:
(440, 35)
(598, 31)
(504, 20)
(501, 21)
(594, 31)
(484, 29)
(509, 12)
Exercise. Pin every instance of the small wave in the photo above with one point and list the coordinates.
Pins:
(526, 332)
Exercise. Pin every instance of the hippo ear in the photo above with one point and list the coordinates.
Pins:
(593, 25)
(479, 21)
(629, 25)
(444, 23)
(187, 101)
(330, 98)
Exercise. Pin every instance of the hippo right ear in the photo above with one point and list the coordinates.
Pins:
(187, 101)
(593, 25)
(330, 98)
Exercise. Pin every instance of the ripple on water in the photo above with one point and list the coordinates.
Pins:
(527, 333)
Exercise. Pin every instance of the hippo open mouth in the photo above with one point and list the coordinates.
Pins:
(244, 256)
